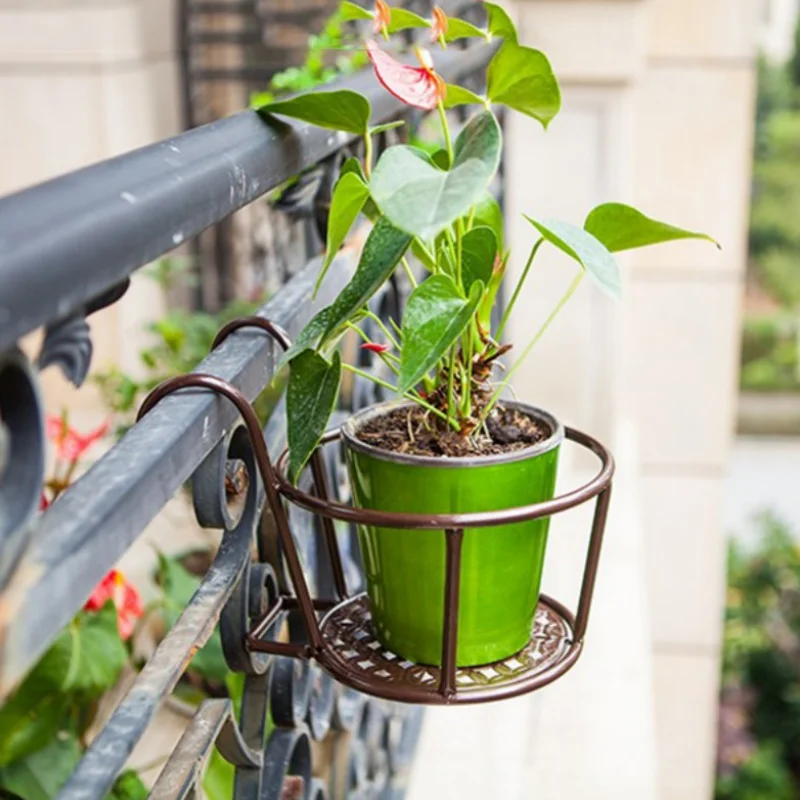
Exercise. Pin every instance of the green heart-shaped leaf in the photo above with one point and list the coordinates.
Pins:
(341, 110)
(350, 11)
(460, 29)
(30, 718)
(459, 96)
(384, 248)
(310, 400)
(348, 199)
(421, 199)
(522, 79)
(500, 23)
(478, 251)
(620, 227)
(42, 775)
(309, 337)
(402, 20)
(581, 246)
(435, 316)
(441, 158)
(487, 212)
(371, 211)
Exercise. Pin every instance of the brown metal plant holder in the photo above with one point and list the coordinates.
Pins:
(343, 642)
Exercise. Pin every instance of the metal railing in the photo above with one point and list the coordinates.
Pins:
(68, 248)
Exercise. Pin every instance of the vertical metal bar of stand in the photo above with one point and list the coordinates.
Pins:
(592, 560)
(452, 581)
(328, 529)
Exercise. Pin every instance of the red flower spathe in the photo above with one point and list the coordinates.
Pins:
(374, 347)
(126, 600)
(71, 445)
(419, 87)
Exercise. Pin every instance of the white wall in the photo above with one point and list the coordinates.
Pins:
(658, 109)
(80, 81)
(777, 20)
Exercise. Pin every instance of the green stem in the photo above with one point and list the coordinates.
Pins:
(410, 395)
(409, 271)
(446, 130)
(427, 253)
(517, 290)
(384, 330)
(397, 329)
(451, 378)
(525, 353)
(382, 356)
(459, 249)
(368, 154)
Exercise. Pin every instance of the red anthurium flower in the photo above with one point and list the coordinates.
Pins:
(125, 598)
(440, 24)
(383, 18)
(374, 347)
(70, 444)
(420, 87)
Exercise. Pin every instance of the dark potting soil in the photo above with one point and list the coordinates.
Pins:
(411, 430)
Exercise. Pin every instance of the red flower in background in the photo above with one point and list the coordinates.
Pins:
(125, 598)
(440, 24)
(70, 444)
(374, 347)
(383, 18)
(419, 87)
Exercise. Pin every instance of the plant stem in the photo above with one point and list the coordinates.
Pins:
(384, 330)
(459, 250)
(409, 272)
(451, 377)
(527, 351)
(383, 356)
(517, 290)
(446, 130)
(410, 395)
(368, 154)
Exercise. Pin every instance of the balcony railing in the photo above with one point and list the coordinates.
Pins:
(68, 248)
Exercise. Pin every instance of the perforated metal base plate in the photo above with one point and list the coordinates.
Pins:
(355, 657)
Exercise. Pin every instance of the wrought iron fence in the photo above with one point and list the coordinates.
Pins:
(67, 249)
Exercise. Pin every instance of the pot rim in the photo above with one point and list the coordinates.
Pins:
(354, 421)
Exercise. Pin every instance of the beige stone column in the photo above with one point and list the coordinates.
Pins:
(694, 126)
(658, 112)
(80, 81)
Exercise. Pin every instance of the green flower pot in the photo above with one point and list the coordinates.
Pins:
(501, 567)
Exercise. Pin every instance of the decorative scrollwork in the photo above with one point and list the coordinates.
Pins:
(68, 341)
(21, 455)
(68, 345)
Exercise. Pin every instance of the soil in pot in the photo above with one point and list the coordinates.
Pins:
(397, 464)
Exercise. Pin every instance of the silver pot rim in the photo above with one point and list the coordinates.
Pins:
(352, 425)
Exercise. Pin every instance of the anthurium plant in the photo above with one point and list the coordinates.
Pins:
(439, 209)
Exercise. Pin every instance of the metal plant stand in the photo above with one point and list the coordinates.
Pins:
(343, 642)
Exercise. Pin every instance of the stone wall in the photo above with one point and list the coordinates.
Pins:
(658, 110)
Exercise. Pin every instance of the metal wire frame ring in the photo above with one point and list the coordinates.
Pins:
(453, 524)
(393, 519)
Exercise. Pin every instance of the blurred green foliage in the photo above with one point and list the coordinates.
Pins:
(770, 352)
(761, 654)
(763, 776)
(181, 340)
(319, 67)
